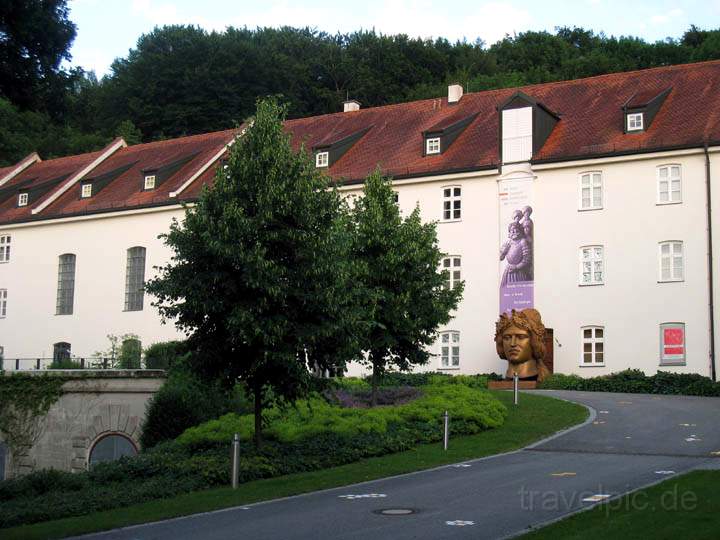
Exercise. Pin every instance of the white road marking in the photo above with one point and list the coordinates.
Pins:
(459, 523)
(664, 472)
(362, 496)
(596, 498)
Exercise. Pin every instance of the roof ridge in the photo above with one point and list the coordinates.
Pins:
(162, 142)
(507, 88)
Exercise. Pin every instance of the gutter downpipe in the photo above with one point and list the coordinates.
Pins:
(711, 305)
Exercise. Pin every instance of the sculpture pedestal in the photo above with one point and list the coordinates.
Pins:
(508, 385)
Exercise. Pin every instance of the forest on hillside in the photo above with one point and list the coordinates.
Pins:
(182, 80)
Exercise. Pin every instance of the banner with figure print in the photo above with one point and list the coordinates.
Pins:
(517, 273)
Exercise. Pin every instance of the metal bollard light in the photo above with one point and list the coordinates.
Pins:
(235, 460)
(446, 434)
(516, 385)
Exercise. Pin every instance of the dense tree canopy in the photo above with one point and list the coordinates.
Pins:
(261, 279)
(182, 80)
(35, 37)
(405, 299)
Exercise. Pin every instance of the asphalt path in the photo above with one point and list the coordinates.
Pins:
(629, 441)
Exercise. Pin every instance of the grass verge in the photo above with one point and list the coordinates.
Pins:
(536, 417)
(684, 507)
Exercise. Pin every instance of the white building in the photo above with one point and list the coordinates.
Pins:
(621, 172)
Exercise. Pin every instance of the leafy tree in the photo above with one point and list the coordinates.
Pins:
(35, 37)
(406, 300)
(260, 278)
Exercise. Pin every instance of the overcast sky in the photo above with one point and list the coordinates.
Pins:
(107, 29)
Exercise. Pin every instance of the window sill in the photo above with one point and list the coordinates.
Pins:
(455, 368)
(131, 310)
(590, 209)
(591, 284)
(667, 203)
(671, 280)
(450, 220)
(592, 365)
(672, 364)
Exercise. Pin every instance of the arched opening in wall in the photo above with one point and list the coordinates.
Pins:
(61, 351)
(110, 448)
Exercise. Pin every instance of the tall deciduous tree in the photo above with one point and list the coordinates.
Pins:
(260, 277)
(35, 37)
(405, 297)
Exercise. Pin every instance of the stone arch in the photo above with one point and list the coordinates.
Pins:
(107, 435)
(109, 419)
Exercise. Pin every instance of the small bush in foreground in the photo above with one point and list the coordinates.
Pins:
(635, 381)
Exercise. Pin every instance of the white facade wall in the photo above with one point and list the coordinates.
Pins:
(100, 245)
(630, 305)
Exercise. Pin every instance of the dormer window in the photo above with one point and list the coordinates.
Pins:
(86, 191)
(640, 109)
(432, 145)
(525, 125)
(322, 159)
(23, 199)
(635, 122)
(150, 181)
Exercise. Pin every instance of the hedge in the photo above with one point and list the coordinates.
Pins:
(635, 381)
(313, 435)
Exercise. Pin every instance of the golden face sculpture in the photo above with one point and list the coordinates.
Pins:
(516, 345)
(519, 339)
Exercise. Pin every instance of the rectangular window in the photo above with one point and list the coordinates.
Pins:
(450, 349)
(591, 195)
(634, 121)
(593, 346)
(672, 344)
(86, 191)
(451, 265)
(671, 261)
(669, 184)
(322, 159)
(22, 199)
(451, 203)
(516, 135)
(432, 146)
(150, 181)
(592, 271)
(135, 279)
(3, 303)
(4, 249)
(66, 285)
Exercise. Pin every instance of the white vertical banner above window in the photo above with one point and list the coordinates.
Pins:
(517, 135)
(517, 273)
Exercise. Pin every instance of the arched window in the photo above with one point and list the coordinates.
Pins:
(111, 448)
(135, 279)
(61, 351)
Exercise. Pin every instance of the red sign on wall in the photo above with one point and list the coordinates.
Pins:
(674, 342)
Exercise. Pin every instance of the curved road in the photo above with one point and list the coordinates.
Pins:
(630, 441)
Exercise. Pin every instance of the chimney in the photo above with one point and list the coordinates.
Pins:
(455, 92)
(351, 105)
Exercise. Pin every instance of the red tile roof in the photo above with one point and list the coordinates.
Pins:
(591, 125)
(125, 191)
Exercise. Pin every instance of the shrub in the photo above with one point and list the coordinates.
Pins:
(130, 353)
(164, 354)
(64, 363)
(182, 402)
(635, 381)
(308, 418)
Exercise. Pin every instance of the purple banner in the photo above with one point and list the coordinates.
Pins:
(517, 270)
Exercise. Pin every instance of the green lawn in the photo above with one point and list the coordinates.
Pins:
(536, 417)
(686, 507)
